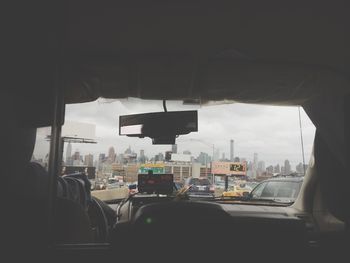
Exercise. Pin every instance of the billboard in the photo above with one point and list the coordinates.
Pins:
(229, 168)
(79, 130)
(156, 168)
(175, 157)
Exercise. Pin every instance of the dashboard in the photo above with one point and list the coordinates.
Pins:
(151, 221)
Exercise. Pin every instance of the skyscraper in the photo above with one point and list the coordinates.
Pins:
(77, 159)
(277, 169)
(76, 156)
(255, 165)
(255, 160)
(128, 150)
(69, 154)
(216, 156)
(231, 151)
(174, 148)
(142, 158)
(269, 169)
(89, 160)
(111, 154)
(203, 158)
(300, 168)
(287, 167)
(223, 158)
(261, 167)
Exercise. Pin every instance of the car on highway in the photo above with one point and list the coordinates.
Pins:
(281, 189)
(236, 191)
(132, 188)
(178, 185)
(112, 183)
(199, 187)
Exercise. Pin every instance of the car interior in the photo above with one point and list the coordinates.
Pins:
(266, 52)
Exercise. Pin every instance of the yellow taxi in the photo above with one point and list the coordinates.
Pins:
(236, 191)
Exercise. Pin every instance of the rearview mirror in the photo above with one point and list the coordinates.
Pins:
(161, 127)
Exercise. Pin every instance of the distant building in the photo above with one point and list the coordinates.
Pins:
(216, 156)
(174, 148)
(300, 168)
(255, 160)
(118, 170)
(142, 157)
(255, 165)
(186, 152)
(76, 156)
(181, 171)
(102, 157)
(231, 150)
(69, 160)
(250, 172)
(101, 160)
(128, 150)
(269, 169)
(111, 154)
(261, 167)
(168, 156)
(131, 172)
(203, 158)
(159, 157)
(237, 160)
(277, 169)
(287, 167)
(89, 160)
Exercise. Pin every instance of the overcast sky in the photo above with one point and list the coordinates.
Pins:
(271, 131)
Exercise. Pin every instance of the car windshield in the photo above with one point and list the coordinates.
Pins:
(237, 147)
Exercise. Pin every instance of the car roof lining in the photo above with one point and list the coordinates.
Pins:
(174, 78)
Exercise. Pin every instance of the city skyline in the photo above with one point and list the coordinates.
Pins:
(255, 164)
(271, 131)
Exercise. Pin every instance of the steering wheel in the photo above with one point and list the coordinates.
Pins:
(99, 222)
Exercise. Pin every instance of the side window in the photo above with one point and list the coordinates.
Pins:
(256, 193)
(42, 147)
